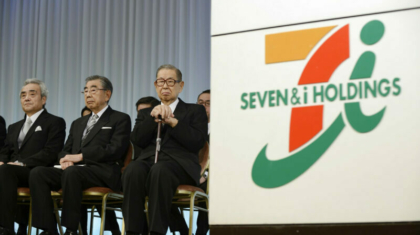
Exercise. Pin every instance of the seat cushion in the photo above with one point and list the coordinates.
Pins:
(189, 188)
(23, 190)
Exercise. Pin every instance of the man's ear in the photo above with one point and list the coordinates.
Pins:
(43, 100)
(108, 95)
(181, 84)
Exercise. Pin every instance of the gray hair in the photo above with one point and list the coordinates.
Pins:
(44, 91)
(106, 83)
(171, 67)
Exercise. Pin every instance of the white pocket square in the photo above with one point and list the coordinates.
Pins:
(107, 127)
(38, 128)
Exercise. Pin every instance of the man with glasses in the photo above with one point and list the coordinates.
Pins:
(92, 157)
(183, 135)
(34, 141)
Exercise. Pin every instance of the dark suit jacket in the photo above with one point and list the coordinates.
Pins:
(182, 143)
(39, 148)
(2, 131)
(105, 146)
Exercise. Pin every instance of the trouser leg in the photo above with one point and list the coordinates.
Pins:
(74, 180)
(176, 220)
(11, 177)
(42, 181)
(134, 180)
(22, 217)
(163, 179)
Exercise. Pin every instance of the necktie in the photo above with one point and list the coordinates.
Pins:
(90, 125)
(24, 130)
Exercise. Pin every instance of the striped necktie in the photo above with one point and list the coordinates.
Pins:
(90, 125)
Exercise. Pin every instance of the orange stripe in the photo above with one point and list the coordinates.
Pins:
(295, 45)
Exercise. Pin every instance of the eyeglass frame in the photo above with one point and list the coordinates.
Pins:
(166, 81)
(86, 91)
(205, 103)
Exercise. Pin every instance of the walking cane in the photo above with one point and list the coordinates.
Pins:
(158, 140)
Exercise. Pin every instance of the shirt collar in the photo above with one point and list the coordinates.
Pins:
(101, 112)
(173, 105)
(34, 116)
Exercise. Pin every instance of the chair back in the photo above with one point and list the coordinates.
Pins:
(203, 157)
(128, 156)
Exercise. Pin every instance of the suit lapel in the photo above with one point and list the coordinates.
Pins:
(80, 129)
(180, 112)
(37, 123)
(104, 119)
(16, 134)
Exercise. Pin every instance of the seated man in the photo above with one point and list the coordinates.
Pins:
(142, 103)
(34, 141)
(111, 223)
(92, 157)
(2, 131)
(183, 135)
(146, 102)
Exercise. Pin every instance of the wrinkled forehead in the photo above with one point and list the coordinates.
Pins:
(94, 83)
(166, 73)
(30, 87)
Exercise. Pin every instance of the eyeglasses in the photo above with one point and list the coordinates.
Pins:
(92, 91)
(170, 82)
(205, 103)
(30, 94)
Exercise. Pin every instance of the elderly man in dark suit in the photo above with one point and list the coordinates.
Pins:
(183, 135)
(34, 141)
(92, 157)
(2, 131)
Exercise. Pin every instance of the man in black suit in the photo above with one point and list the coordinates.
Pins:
(34, 141)
(92, 157)
(146, 102)
(183, 135)
(111, 223)
(2, 131)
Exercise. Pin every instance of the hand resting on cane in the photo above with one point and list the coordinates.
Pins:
(166, 113)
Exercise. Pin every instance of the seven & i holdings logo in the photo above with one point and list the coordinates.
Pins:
(313, 91)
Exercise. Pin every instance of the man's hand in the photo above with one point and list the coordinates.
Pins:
(166, 113)
(64, 165)
(202, 179)
(1, 163)
(14, 163)
(73, 158)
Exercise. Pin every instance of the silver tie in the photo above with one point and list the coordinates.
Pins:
(24, 131)
(90, 126)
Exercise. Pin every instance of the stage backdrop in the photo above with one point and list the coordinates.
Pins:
(63, 42)
(315, 112)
